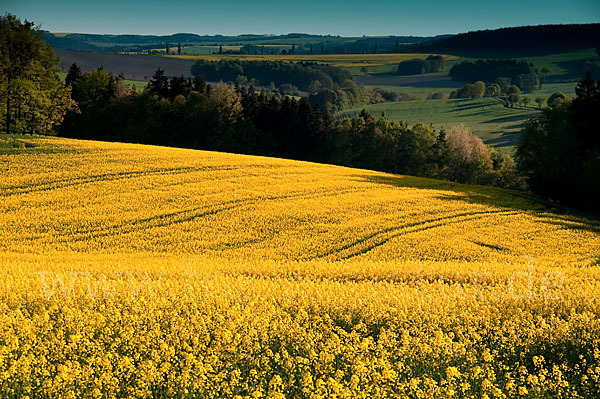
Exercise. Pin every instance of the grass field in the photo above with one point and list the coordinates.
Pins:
(496, 124)
(421, 92)
(564, 66)
(140, 271)
(565, 70)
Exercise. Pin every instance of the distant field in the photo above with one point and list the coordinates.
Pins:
(416, 85)
(341, 60)
(548, 88)
(496, 124)
(565, 66)
(565, 72)
(203, 50)
(208, 50)
(420, 92)
(134, 67)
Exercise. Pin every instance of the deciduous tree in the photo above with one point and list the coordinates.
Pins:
(32, 98)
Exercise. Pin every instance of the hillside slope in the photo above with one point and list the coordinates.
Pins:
(86, 196)
(140, 271)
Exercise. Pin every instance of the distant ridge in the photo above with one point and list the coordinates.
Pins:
(138, 43)
(518, 40)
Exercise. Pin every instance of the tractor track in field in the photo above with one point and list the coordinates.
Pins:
(67, 183)
(188, 215)
(414, 227)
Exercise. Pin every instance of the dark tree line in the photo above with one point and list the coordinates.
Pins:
(519, 73)
(527, 40)
(559, 153)
(188, 113)
(417, 66)
(300, 75)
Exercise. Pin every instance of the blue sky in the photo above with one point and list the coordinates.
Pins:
(337, 17)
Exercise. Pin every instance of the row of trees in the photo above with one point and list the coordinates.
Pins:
(519, 73)
(351, 95)
(418, 66)
(301, 75)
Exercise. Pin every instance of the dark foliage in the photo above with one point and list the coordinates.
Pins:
(520, 73)
(560, 152)
(541, 39)
(298, 74)
(73, 74)
(417, 66)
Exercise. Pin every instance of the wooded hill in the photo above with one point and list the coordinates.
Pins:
(527, 40)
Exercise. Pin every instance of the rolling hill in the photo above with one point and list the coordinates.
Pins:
(131, 270)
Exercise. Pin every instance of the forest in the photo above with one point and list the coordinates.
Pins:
(301, 75)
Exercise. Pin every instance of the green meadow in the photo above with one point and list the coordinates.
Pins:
(496, 124)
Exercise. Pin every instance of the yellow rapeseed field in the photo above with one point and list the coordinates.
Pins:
(340, 60)
(140, 271)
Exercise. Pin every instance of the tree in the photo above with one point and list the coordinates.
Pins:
(73, 74)
(241, 80)
(178, 48)
(513, 99)
(492, 90)
(469, 158)
(478, 89)
(32, 98)
(546, 70)
(167, 48)
(288, 89)
(524, 101)
(438, 95)
(159, 84)
(511, 89)
(179, 86)
(527, 82)
(557, 98)
(364, 70)
(475, 90)
(199, 84)
(540, 101)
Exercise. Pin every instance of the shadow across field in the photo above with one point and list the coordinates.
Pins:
(574, 70)
(506, 138)
(391, 79)
(552, 212)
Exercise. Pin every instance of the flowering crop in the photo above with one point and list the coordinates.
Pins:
(139, 271)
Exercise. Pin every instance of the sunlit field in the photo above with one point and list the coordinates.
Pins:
(140, 271)
(498, 125)
(340, 60)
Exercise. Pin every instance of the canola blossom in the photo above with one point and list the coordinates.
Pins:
(141, 271)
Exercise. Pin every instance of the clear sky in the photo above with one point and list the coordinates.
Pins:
(336, 17)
